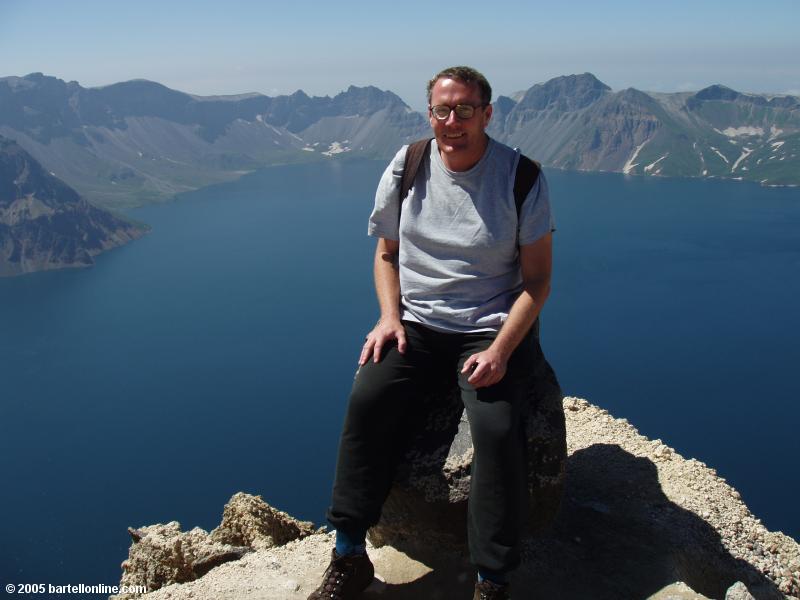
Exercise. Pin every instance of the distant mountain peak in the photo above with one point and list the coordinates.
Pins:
(717, 92)
(577, 81)
(504, 104)
(567, 92)
(366, 100)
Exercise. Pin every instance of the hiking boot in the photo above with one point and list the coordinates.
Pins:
(487, 590)
(345, 578)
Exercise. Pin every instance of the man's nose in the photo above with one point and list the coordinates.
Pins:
(451, 118)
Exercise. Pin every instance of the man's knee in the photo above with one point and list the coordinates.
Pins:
(494, 430)
(378, 388)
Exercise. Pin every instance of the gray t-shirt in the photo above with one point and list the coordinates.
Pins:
(458, 232)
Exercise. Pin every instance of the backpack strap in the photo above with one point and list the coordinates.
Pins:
(527, 173)
(414, 155)
(524, 180)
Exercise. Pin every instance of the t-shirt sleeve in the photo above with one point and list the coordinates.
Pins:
(384, 222)
(536, 218)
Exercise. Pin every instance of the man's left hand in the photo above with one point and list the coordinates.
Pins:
(487, 367)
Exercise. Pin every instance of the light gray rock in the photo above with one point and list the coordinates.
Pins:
(163, 554)
(738, 591)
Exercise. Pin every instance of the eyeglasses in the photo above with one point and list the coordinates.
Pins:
(463, 111)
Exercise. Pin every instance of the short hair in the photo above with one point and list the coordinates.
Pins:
(466, 75)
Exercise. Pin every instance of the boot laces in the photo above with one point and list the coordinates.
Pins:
(335, 577)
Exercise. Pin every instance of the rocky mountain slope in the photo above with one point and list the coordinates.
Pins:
(637, 521)
(578, 122)
(134, 142)
(138, 141)
(44, 223)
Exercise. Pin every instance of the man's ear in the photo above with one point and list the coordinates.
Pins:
(487, 115)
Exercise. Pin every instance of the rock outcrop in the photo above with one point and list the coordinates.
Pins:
(161, 555)
(45, 224)
(249, 521)
(637, 521)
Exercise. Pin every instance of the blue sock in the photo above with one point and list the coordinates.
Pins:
(493, 576)
(349, 543)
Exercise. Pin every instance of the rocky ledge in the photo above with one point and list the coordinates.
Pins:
(637, 521)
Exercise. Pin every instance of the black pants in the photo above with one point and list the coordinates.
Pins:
(385, 402)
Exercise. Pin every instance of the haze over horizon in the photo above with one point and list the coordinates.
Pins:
(206, 49)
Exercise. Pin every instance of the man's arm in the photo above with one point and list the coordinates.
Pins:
(536, 265)
(387, 286)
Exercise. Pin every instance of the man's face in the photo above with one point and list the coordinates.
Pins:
(461, 141)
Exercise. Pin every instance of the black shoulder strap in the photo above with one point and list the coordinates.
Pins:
(527, 174)
(414, 155)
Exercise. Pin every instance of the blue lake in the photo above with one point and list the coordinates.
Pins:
(215, 354)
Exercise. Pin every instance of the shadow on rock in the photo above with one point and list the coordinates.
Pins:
(619, 537)
(451, 579)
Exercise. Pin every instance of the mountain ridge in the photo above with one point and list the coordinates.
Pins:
(138, 141)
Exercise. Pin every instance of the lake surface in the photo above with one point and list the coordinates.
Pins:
(215, 354)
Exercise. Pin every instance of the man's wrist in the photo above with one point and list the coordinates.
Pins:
(501, 347)
(393, 318)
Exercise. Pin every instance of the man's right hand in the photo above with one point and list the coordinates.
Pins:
(384, 332)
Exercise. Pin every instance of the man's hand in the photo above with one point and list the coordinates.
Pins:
(384, 331)
(487, 367)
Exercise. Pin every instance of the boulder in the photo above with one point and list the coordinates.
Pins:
(249, 521)
(427, 506)
(738, 591)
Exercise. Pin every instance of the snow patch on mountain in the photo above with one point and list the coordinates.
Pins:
(630, 165)
(337, 148)
(745, 153)
(721, 155)
(774, 132)
(649, 167)
(740, 131)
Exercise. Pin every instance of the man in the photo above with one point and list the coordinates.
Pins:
(461, 277)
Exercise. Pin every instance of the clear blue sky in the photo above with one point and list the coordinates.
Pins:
(228, 47)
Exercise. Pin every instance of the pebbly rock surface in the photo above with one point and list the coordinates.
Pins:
(643, 516)
(637, 521)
